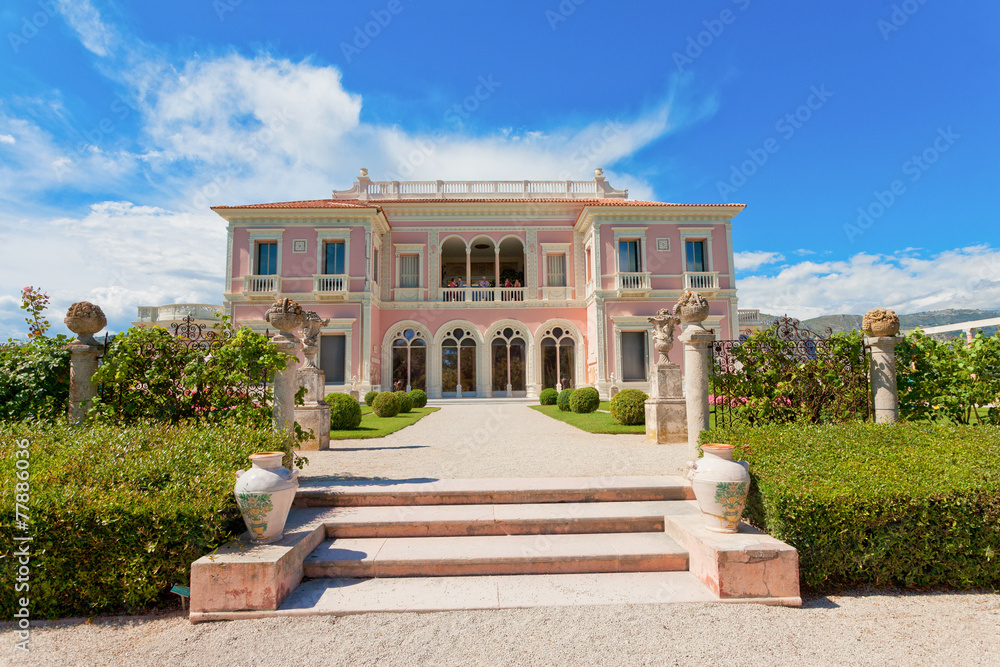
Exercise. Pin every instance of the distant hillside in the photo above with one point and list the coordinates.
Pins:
(931, 318)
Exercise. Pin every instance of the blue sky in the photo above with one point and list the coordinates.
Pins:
(121, 123)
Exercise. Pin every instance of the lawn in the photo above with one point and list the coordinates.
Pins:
(373, 426)
(594, 422)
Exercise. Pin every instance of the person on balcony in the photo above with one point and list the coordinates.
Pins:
(518, 296)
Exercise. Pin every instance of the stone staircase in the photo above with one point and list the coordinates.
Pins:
(438, 545)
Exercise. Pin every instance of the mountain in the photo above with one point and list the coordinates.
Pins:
(931, 318)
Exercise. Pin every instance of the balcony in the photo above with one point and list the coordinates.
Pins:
(367, 189)
(331, 287)
(701, 281)
(483, 295)
(749, 318)
(634, 283)
(261, 287)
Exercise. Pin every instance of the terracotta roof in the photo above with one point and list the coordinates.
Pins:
(340, 203)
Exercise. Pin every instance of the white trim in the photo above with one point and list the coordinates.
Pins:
(268, 235)
(623, 323)
(335, 327)
(630, 234)
(324, 236)
(579, 354)
(697, 234)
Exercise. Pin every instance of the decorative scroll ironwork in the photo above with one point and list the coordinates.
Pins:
(789, 372)
(194, 336)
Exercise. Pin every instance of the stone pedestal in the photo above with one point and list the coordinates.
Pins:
(883, 377)
(286, 384)
(82, 366)
(696, 340)
(314, 414)
(666, 412)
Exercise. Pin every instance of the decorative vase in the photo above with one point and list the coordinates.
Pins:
(880, 322)
(720, 487)
(85, 319)
(265, 494)
(691, 308)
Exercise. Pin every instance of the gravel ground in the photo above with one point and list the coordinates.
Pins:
(509, 440)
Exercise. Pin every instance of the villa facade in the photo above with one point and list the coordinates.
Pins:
(487, 288)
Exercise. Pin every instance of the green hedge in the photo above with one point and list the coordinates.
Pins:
(584, 400)
(345, 411)
(34, 379)
(563, 401)
(419, 397)
(370, 398)
(118, 514)
(884, 505)
(548, 396)
(386, 404)
(405, 401)
(629, 407)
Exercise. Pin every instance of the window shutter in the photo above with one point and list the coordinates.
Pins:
(409, 270)
(556, 269)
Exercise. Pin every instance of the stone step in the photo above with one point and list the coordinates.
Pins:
(528, 519)
(489, 555)
(319, 493)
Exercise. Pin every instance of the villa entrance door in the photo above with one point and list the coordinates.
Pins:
(458, 363)
(508, 366)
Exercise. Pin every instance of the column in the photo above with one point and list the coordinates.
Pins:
(84, 319)
(468, 272)
(883, 377)
(314, 414)
(692, 308)
(286, 316)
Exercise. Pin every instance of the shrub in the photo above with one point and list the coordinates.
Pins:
(563, 400)
(118, 514)
(345, 411)
(419, 397)
(34, 378)
(874, 504)
(584, 399)
(628, 407)
(386, 404)
(405, 401)
(548, 396)
(370, 398)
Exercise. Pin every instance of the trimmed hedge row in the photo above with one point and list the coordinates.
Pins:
(419, 397)
(885, 505)
(584, 400)
(629, 407)
(118, 514)
(345, 411)
(563, 401)
(548, 396)
(386, 404)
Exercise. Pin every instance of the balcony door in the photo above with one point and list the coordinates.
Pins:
(267, 259)
(628, 257)
(333, 264)
(695, 256)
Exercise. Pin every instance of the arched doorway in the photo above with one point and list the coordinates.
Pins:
(409, 359)
(558, 351)
(508, 363)
(458, 362)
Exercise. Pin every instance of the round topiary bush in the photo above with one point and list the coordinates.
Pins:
(627, 407)
(419, 397)
(386, 404)
(563, 400)
(548, 396)
(584, 399)
(370, 397)
(345, 411)
(405, 401)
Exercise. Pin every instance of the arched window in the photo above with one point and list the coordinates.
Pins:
(458, 362)
(558, 358)
(409, 360)
(507, 349)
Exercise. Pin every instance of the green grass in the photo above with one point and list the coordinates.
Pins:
(373, 426)
(594, 422)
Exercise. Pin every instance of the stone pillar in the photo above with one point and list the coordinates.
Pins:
(666, 418)
(881, 326)
(692, 308)
(84, 319)
(314, 414)
(286, 316)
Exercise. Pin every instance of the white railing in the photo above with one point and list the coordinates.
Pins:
(330, 283)
(749, 317)
(560, 293)
(508, 294)
(701, 280)
(365, 188)
(633, 281)
(263, 285)
(178, 311)
(481, 294)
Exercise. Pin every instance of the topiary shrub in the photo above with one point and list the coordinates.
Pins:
(584, 399)
(405, 401)
(370, 398)
(419, 397)
(386, 404)
(548, 396)
(345, 411)
(627, 407)
(563, 400)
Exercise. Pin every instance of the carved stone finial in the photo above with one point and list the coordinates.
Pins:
(286, 316)
(880, 322)
(364, 172)
(663, 334)
(691, 307)
(85, 319)
(311, 326)
(598, 172)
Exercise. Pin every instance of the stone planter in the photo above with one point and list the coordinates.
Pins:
(265, 494)
(691, 307)
(880, 323)
(85, 319)
(720, 487)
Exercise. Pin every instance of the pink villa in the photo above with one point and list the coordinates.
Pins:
(482, 288)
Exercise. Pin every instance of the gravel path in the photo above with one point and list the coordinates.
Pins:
(509, 440)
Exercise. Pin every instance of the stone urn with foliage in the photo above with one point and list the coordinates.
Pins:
(286, 316)
(691, 307)
(720, 486)
(265, 494)
(85, 319)
(880, 323)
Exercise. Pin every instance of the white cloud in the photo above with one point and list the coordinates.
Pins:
(802, 252)
(754, 259)
(7, 139)
(95, 35)
(959, 278)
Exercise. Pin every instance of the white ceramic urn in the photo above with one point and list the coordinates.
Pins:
(265, 494)
(720, 486)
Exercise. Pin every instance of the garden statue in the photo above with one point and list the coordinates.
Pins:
(314, 413)
(880, 322)
(286, 316)
(882, 328)
(663, 334)
(84, 319)
(311, 328)
(692, 308)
